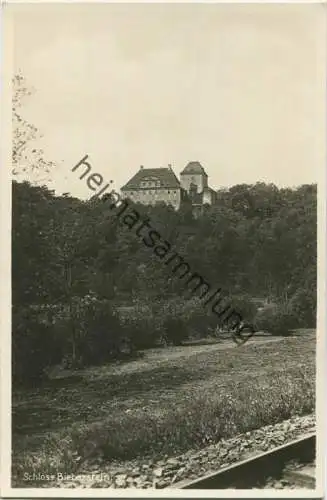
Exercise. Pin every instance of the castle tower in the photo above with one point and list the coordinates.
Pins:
(194, 174)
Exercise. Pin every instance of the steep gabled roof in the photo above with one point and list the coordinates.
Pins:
(194, 167)
(166, 176)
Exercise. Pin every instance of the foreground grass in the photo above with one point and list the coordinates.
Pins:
(168, 402)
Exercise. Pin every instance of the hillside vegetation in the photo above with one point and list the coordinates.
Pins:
(87, 290)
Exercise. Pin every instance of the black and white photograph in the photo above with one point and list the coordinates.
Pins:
(163, 209)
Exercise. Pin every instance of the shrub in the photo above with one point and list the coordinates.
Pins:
(199, 319)
(35, 346)
(180, 318)
(278, 320)
(245, 306)
(141, 323)
(100, 333)
(86, 331)
(188, 318)
(174, 320)
(175, 330)
(93, 329)
(304, 304)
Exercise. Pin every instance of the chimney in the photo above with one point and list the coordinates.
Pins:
(169, 166)
(141, 167)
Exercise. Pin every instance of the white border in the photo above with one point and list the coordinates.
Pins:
(5, 259)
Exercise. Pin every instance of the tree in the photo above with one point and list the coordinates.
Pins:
(35, 277)
(25, 157)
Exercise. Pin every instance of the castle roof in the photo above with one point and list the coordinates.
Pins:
(194, 167)
(166, 176)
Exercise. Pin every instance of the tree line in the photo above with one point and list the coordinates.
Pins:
(84, 290)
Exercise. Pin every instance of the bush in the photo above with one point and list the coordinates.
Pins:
(186, 319)
(181, 318)
(175, 330)
(277, 320)
(142, 324)
(35, 346)
(86, 331)
(172, 321)
(155, 323)
(94, 332)
(98, 329)
(199, 319)
(245, 306)
(304, 305)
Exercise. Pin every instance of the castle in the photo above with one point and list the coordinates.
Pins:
(153, 185)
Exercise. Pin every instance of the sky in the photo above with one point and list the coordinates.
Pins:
(238, 87)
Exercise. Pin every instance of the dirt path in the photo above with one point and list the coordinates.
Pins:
(154, 358)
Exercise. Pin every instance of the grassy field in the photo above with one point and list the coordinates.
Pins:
(168, 401)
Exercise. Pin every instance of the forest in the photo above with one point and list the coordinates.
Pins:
(86, 290)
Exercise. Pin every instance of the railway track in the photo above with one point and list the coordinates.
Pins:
(288, 466)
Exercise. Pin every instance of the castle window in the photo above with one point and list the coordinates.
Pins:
(150, 182)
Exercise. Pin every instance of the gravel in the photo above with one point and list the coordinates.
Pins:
(166, 472)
